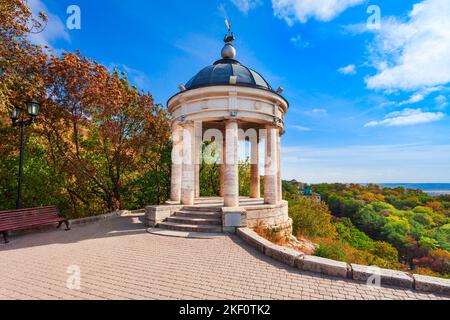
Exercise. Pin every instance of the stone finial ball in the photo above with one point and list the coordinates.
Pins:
(228, 52)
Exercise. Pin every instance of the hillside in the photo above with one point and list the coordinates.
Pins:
(396, 228)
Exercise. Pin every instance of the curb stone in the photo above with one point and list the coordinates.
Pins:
(93, 219)
(323, 266)
(285, 255)
(253, 239)
(388, 277)
(431, 284)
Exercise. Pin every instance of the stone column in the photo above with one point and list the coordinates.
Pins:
(188, 175)
(271, 166)
(280, 179)
(177, 163)
(222, 165)
(231, 196)
(198, 155)
(255, 188)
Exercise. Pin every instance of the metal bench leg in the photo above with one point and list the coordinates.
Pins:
(5, 236)
(67, 225)
(59, 225)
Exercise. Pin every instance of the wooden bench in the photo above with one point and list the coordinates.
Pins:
(23, 219)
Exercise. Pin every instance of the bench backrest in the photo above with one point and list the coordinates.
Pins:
(23, 217)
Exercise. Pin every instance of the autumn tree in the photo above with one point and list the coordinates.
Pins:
(21, 62)
(101, 132)
(98, 144)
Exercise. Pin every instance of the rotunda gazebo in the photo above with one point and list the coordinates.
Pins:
(226, 102)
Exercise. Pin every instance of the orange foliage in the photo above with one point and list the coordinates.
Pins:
(271, 234)
(436, 206)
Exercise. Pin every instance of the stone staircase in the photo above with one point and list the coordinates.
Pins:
(195, 219)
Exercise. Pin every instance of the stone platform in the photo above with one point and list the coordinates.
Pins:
(210, 215)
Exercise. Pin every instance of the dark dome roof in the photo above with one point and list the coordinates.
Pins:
(222, 70)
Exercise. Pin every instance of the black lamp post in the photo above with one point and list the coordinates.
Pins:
(18, 118)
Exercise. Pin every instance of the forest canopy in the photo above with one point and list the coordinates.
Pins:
(389, 227)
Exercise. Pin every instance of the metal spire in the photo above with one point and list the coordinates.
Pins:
(228, 51)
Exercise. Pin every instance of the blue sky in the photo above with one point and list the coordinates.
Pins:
(369, 102)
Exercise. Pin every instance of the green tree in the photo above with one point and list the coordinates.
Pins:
(368, 220)
(428, 243)
(356, 238)
(396, 231)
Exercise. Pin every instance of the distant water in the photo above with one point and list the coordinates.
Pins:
(434, 189)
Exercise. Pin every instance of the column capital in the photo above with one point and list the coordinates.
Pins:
(186, 123)
(270, 126)
(176, 126)
(231, 120)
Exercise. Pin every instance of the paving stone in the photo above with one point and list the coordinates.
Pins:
(118, 259)
(285, 255)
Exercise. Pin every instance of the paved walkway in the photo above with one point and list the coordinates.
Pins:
(117, 259)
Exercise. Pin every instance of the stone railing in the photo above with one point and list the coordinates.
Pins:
(157, 214)
(333, 268)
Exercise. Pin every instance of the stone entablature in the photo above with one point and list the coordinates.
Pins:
(217, 103)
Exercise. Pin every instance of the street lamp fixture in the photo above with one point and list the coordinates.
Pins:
(19, 119)
(15, 114)
(33, 107)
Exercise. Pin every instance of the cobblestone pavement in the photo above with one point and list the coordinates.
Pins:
(119, 260)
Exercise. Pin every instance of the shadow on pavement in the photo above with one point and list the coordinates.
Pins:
(114, 227)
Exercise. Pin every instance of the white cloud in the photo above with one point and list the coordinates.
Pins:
(415, 98)
(203, 49)
(350, 69)
(299, 42)
(301, 128)
(303, 10)
(319, 111)
(415, 53)
(55, 29)
(246, 5)
(407, 117)
(441, 101)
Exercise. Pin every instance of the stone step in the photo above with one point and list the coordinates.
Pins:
(194, 221)
(202, 209)
(185, 234)
(190, 227)
(198, 214)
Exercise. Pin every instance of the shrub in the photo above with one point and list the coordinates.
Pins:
(311, 218)
(339, 250)
(429, 243)
(385, 251)
(437, 261)
(331, 249)
(272, 234)
(429, 272)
